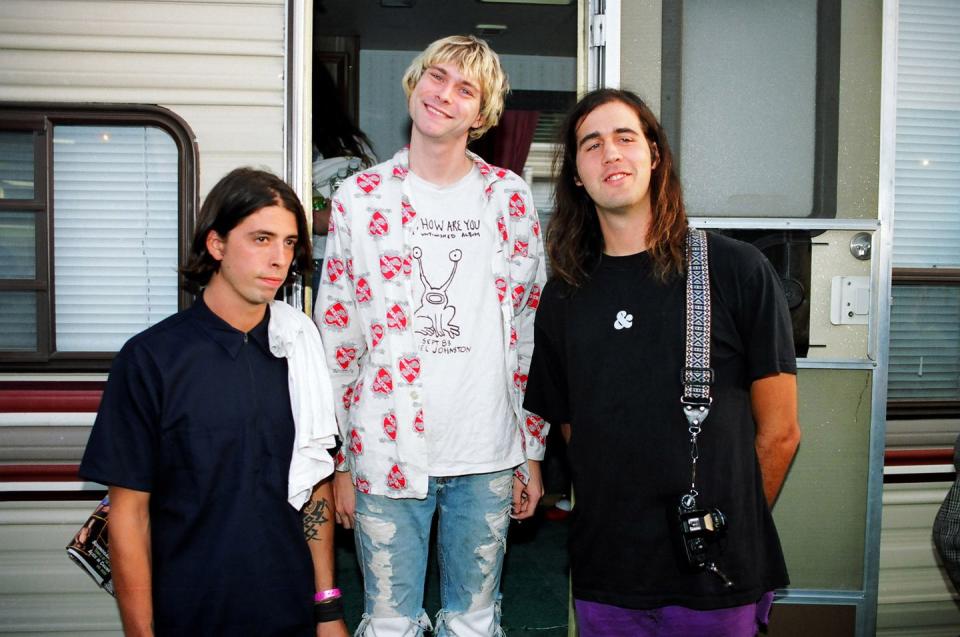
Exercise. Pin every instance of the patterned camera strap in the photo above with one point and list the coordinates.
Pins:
(697, 374)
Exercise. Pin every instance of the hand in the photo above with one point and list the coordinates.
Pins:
(527, 496)
(333, 629)
(344, 499)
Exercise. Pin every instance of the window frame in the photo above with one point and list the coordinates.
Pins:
(826, 103)
(921, 409)
(41, 118)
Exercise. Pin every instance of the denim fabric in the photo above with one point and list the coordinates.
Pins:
(393, 535)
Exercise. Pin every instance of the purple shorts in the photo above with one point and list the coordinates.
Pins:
(603, 620)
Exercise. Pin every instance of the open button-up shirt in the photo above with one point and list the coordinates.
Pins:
(365, 310)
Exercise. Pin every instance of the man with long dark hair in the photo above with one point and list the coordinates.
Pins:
(657, 548)
(432, 275)
(195, 437)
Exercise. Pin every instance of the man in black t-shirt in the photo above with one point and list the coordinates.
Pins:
(609, 351)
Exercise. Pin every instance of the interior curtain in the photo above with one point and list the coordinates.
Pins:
(508, 144)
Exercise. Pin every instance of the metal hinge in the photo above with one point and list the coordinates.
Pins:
(598, 30)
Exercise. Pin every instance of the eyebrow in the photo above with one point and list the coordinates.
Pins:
(272, 234)
(596, 134)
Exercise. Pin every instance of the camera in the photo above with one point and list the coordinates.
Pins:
(699, 528)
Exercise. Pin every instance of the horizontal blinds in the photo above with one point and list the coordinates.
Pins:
(16, 165)
(18, 245)
(927, 188)
(924, 343)
(18, 321)
(115, 233)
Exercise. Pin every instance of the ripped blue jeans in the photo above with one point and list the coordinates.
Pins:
(393, 536)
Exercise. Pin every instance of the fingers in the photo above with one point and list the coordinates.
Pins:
(526, 497)
(344, 520)
(523, 505)
(346, 500)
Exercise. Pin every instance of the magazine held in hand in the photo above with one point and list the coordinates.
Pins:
(89, 547)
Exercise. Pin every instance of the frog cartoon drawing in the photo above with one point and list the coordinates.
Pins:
(435, 315)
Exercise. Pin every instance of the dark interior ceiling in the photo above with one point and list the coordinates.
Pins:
(531, 29)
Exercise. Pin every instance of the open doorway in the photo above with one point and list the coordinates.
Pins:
(366, 45)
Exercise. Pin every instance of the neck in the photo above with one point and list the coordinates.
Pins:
(441, 162)
(235, 311)
(624, 232)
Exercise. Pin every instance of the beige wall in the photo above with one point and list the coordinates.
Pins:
(217, 64)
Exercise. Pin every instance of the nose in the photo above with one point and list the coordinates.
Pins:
(443, 92)
(282, 254)
(611, 153)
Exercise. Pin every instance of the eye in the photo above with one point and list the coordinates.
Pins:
(467, 92)
(436, 76)
(291, 242)
(261, 238)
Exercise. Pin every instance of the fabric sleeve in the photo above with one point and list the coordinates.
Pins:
(765, 324)
(338, 318)
(547, 395)
(124, 440)
(534, 430)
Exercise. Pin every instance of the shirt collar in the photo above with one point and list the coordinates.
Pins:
(400, 167)
(227, 336)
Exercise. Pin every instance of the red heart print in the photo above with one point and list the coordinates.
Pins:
(368, 182)
(336, 315)
(409, 368)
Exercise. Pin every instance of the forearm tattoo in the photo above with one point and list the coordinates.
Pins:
(314, 516)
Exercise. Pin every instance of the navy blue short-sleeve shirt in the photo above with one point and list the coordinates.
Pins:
(197, 413)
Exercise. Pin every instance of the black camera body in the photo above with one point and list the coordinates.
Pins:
(698, 529)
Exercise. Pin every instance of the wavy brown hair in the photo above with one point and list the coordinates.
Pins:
(574, 239)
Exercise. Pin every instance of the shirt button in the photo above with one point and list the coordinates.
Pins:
(414, 395)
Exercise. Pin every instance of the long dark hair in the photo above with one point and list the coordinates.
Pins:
(334, 133)
(235, 197)
(574, 239)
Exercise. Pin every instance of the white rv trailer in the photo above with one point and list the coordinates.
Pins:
(797, 138)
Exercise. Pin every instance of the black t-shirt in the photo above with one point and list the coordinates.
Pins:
(620, 388)
(198, 414)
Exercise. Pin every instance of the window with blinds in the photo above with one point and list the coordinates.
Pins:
(93, 214)
(925, 317)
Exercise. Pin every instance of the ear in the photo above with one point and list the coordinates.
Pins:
(477, 123)
(654, 156)
(576, 180)
(215, 245)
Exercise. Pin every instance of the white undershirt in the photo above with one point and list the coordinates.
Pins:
(467, 414)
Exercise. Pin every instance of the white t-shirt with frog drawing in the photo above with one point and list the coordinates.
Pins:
(459, 331)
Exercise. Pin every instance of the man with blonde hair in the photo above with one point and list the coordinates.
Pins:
(432, 276)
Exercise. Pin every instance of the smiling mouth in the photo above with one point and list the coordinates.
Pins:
(435, 110)
(615, 177)
(274, 282)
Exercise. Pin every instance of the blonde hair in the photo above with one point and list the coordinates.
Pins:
(478, 62)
